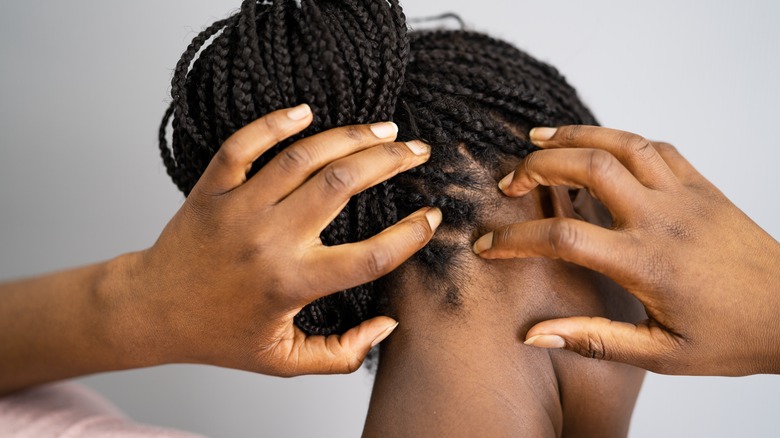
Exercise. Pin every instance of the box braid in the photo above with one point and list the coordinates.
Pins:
(466, 94)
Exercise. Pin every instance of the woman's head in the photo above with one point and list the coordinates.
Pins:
(469, 96)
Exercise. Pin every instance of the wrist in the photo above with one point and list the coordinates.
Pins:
(126, 327)
(768, 310)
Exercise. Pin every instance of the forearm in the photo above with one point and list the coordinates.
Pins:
(69, 324)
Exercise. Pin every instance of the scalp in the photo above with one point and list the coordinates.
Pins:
(471, 97)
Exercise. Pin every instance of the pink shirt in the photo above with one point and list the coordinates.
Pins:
(67, 410)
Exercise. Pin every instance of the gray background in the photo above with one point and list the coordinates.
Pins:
(83, 85)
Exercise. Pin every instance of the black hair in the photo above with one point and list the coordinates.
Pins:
(470, 96)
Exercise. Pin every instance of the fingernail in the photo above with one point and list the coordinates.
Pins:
(484, 243)
(418, 147)
(542, 134)
(506, 181)
(299, 112)
(434, 218)
(546, 341)
(384, 129)
(384, 335)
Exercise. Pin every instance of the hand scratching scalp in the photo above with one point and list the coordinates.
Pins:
(354, 61)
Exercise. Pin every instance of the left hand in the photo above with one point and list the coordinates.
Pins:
(707, 275)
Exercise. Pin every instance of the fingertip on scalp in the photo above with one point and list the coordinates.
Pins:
(542, 134)
(434, 218)
(484, 243)
(506, 181)
(509, 187)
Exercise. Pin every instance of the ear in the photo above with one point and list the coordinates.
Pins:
(561, 202)
(589, 208)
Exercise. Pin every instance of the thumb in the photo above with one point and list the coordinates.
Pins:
(342, 354)
(646, 344)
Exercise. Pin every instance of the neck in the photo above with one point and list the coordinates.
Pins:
(462, 370)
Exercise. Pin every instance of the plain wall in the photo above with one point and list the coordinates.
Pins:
(83, 85)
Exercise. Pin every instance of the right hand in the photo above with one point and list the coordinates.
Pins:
(708, 276)
(243, 256)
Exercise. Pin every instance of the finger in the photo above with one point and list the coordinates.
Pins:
(339, 354)
(646, 345)
(682, 168)
(607, 251)
(344, 266)
(635, 152)
(295, 164)
(604, 176)
(318, 201)
(229, 166)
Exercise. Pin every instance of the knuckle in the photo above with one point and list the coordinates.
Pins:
(563, 237)
(296, 159)
(530, 162)
(572, 133)
(636, 145)
(272, 124)
(592, 344)
(419, 232)
(231, 154)
(595, 347)
(394, 153)
(600, 164)
(377, 263)
(353, 133)
(503, 237)
(339, 179)
(532, 168)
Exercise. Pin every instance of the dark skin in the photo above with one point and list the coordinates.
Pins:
(230, 271)
(681, 248)
(463, 371)
(706, 274)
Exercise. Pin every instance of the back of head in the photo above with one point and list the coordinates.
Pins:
(471, 97)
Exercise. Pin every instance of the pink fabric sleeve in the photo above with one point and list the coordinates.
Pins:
(67, 410)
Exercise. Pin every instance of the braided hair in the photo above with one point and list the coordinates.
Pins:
(470, 96)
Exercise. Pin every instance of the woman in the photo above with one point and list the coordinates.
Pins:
(323, 318)
(456, 366)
